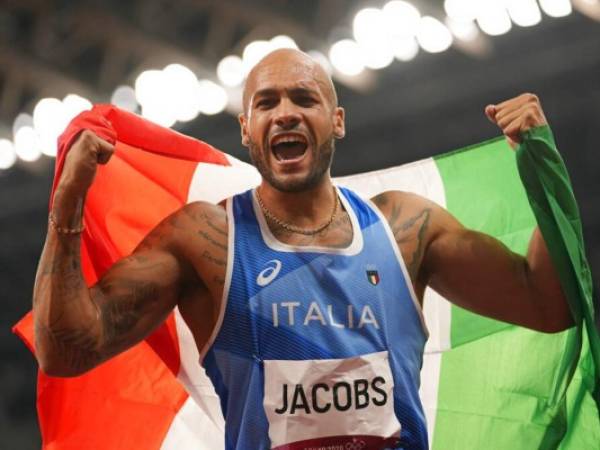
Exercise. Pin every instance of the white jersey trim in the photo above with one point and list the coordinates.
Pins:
(394, 244)
(228, 275)
(272, 242)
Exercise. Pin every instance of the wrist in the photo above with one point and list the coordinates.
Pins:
(67, 207)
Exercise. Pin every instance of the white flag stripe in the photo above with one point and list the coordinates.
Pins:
(190, 430)
(214, 183)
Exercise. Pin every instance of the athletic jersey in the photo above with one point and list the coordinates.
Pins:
(317, 348)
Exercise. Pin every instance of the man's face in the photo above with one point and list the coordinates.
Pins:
(290, 122)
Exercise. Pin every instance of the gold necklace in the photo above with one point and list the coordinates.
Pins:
(292, 228)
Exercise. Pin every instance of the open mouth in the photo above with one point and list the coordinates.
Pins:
(289, 146)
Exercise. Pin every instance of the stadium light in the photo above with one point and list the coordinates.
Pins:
(524, 13)
(493, 19)
(7, 154)
(465, 31)
(74, 104)
(322, 60)
(402, 18)
(346, 57)
(371, 35)
(405, 48)
(181, 85)
(146, 85)
(433, 36)
(556, 8)
(22, 120)
(461, 10)
(50, 117)
(230, 71)
(254, 52)
(124, 97)
(213, 98)
(282, 41)
(26, 144)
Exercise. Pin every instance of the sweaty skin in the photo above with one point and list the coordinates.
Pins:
(182, 262)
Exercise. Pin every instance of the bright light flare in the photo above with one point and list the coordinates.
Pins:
(124, 97)
(27, 146)
(373, 39)
(75, 104)
(50, 117)
(213, 98)
(8, 157)
(461, 10)
(433, 36)
(181, 84)
(322, 60)
(493, 19)
(147, 84)
(282, 41)
(405, 48)
(254, 52)
(346, 57)
(401, 18)
(524, 13)
(22, 120)
(230, 71)
(556, 8)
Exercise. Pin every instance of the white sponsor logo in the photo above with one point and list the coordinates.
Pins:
(267, 275)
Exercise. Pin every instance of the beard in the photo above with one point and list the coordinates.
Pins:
(320, 166)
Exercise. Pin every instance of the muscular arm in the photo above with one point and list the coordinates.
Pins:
(474, 270)
(77, 328)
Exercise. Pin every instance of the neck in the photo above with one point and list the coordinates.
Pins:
(306, 209)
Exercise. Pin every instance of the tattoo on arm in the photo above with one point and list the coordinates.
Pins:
(210, 239)
(77, 348)
(207, 256)
(412, 232)
(124, 310)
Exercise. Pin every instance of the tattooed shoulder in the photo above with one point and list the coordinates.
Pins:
(409, 217)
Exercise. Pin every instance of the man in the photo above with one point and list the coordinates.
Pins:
(304, 350)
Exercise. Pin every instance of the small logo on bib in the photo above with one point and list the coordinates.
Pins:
(269, 273)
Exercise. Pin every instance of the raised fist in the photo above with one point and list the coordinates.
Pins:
(81, 161)
(517, 115)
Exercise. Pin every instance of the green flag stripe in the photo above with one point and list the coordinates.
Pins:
(500, 386)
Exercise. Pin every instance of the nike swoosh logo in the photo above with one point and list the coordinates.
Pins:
(269, 274)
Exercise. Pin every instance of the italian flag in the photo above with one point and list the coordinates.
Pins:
(484, 384)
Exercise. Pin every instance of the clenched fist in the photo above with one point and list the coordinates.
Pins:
(517, 115)
(81, 162)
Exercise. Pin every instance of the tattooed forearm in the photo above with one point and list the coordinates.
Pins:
(77, 348)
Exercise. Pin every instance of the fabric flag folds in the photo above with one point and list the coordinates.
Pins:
(485, 384)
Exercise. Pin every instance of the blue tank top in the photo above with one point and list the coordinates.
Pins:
(317, 347)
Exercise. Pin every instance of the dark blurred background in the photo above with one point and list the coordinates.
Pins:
(428, 104)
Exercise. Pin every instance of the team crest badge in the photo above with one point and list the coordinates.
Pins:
(373, 277)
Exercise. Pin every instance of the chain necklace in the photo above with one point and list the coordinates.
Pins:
(292, 228)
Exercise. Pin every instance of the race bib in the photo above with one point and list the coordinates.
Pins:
(331, 404)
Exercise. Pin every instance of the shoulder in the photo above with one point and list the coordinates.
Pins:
(399, 205)
(188, 222)
(415, 223)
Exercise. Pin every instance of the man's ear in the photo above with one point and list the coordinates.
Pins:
(244, 129)
(339, 124)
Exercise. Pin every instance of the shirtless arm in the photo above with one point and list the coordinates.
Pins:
(474, 270)
(77, 328)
